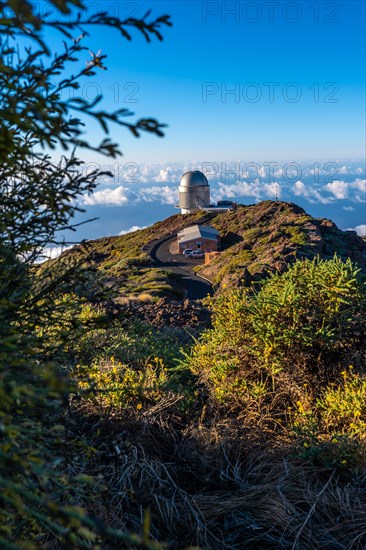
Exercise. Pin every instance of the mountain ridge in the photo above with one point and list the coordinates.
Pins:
(256, 240)
(272, 234)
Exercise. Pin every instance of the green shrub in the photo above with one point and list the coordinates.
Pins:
(342, 408)
(44, 503)
(140, 261)
(287, 341)
(115, 385)
(332, 429)
(296, 234)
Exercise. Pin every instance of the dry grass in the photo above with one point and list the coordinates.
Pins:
(123, 301)
(283, 504)
(145, 298)
(218, 495)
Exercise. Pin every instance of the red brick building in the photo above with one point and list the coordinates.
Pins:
(199, 237)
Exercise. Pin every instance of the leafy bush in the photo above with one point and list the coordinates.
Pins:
(286, 342)
(116, 386)
(332, 428)
(342, 407)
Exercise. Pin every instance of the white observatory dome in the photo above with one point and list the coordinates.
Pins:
(194, 192)
(193, 179)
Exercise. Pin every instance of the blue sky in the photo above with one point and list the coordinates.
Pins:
(314, 51)
(259, 81)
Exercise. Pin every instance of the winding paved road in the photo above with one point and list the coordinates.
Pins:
(197, 288)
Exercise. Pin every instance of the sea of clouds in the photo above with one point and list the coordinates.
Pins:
(318, 182)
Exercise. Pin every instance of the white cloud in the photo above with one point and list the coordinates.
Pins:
(310, 193)
(159, 182)
(278, 173)
(272, 190)
(168, 175)
(360, 229)
(348, 208)
(338, 188)
(52, 252)
(360, 185)
(299, 189)
(166, 194)
(132, 229)
(238, 189)
(360, 190)
(172, 172)
(160, 173)
(255, 189)
(118, 197)
(317, 197)
(123, 196)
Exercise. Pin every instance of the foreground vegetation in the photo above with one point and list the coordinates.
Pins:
(252, 436)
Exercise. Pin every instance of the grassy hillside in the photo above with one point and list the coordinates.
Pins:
(267, 236)
(121, 264)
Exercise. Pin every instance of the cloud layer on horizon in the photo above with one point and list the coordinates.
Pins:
(340, 186)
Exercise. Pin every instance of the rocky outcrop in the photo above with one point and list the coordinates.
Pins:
(174, 313)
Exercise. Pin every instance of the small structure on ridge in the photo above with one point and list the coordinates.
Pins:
(198, 237)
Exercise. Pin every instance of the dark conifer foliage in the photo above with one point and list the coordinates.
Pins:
(38, 197)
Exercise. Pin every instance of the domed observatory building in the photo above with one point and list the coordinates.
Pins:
(194, 192)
